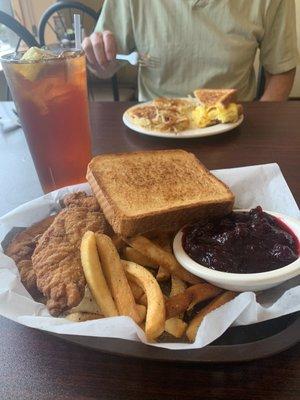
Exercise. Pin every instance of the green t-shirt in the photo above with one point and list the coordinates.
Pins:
(204, 43)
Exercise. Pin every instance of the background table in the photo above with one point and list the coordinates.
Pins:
(37, 366)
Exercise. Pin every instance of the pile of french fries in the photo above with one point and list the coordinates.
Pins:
(126, 277)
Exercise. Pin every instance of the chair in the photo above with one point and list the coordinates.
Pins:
(61, 15)
(22, 35)
(261, 83)
(59, 19)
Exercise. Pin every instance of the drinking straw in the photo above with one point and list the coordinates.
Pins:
(77, 28)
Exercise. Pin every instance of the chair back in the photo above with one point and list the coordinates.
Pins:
(58, 19)
(261, 83)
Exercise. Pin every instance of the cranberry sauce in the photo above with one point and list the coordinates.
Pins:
(241, 242)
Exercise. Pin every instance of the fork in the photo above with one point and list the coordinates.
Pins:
(143, 60)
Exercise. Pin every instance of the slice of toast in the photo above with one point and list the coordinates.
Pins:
(210, 97)
(164, 189)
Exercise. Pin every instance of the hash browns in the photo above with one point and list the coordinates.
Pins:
(163, 114)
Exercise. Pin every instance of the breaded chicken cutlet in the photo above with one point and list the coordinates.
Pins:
(21, 248)
(56, 258)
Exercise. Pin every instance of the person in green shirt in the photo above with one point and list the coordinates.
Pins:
(199, 44)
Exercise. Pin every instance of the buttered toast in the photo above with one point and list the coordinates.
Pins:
(142, 191)
(210, 97)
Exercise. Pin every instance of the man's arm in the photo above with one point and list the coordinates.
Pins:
(113, 32)
(278, 49)
(278, 86)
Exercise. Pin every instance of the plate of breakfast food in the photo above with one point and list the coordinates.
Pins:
(115, 260)
(210, 112)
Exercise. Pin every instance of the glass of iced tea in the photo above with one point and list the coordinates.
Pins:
(50, 94)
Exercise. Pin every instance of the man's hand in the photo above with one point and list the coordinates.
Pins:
(278, 87)
(101, 49)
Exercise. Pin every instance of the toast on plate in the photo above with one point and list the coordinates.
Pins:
(211, 97)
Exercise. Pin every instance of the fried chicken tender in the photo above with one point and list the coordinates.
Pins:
(80, 199)
(21, 248)
(56, 259)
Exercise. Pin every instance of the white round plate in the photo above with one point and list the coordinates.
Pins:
(189, 133)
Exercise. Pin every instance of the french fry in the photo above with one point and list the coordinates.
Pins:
(192, 329)
(143, 300)
(116, 278)
(82, 316)
(155, 318)
(142, 325)
(135, 256)
(177, 286)
(94, 275)
(142, 311)
(118, 242)
(175, 327)
(161, 258)
(179, 303)
(162, 274)
(163, 241)
(137, 291)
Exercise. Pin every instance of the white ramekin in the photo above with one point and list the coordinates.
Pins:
(241, 282)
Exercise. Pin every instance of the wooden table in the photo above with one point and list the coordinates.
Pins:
(37, 366)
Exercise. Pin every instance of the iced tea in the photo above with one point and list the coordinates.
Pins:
(51, 100)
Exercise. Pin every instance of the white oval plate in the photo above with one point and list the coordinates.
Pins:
(189, 133)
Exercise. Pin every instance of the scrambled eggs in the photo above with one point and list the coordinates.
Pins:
(202, 116)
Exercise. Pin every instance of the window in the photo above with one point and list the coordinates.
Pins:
(8, 39)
